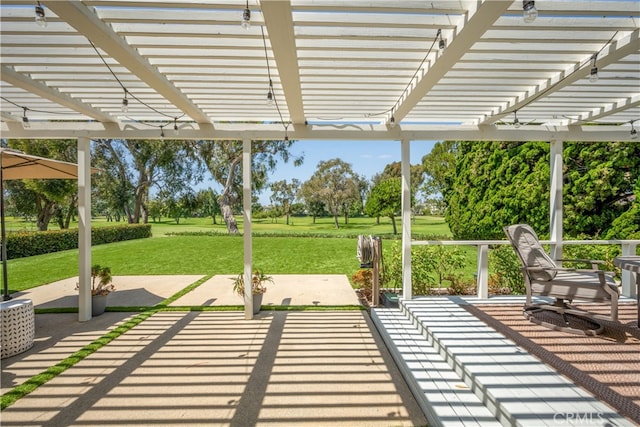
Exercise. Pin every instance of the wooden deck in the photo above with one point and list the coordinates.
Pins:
(464, 373)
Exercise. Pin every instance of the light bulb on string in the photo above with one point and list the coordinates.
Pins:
(516, 122)
(634, 132)
(442, 42)
(161, 132)
(175, 126)
(593, 74)
(270, 93)
(41, 18)
(25, 120)
(125, 103)
(529, 11)
(246, 17)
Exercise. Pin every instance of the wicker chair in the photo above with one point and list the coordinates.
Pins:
(543, 277)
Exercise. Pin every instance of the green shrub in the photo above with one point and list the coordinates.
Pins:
(430, 265)
(29, 243)
(507, 276)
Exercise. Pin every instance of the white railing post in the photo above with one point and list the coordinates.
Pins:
(555, 199)
(628, 278)
(483, 271)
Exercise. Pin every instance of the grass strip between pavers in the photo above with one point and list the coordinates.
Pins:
(36, 381)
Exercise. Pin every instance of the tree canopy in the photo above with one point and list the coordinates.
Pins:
(501, 183)
(335, 184)
(385, 199)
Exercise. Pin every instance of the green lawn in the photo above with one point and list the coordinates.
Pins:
(222, 254)
(422, 225)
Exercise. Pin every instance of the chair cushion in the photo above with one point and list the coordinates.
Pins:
(530, 251)
(575, 285)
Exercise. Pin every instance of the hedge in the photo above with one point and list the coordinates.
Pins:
(29, 243)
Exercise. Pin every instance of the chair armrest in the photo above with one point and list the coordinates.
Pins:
(594, 262)
(576, 270)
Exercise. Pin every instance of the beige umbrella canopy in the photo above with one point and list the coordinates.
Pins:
(18, 165)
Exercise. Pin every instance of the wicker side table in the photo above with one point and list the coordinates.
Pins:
(18, 326)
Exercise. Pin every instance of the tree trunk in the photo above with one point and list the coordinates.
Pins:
(393, 221)
(71, 207)
(314, 218)
(287, 218)
(335, 220)
(226, 201)
(346, 218)
(378, 220)
(227, 214)
(46, 212)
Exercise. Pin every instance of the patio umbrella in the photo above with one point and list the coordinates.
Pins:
(18, 165)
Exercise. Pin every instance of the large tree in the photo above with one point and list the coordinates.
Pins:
(207, 201)
(439, 167)
(52, 198)
(501, 183)
(385, 199)
(132, 167)
(223, 159)
(335, 184)
(284, 194)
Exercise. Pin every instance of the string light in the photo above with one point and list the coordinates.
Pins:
(442, 43)
(593, 74)
(25, 119)
(41, 19)
(634, 132)
(246, 17)
(271, 98)
(161, 131)
(270, 93)
(392, 121)
(529, 11)
(175, 125)
(516, 122)
(125, 103)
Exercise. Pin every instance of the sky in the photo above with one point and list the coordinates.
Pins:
(366, 158)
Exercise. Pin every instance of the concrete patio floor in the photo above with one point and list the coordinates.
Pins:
(212, 368)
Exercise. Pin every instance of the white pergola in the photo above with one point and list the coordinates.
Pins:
(360, 70)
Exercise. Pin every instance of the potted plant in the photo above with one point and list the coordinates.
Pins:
(258, 287)
(101, 287)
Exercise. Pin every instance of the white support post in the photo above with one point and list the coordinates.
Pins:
(555, 199)
(406, 219)
(246, 210)
(628, 278)
(483, 271)
(84, 229)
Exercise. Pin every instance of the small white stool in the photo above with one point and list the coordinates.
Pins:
(18, 327)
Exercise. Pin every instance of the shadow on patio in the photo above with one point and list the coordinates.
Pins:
(213, 368)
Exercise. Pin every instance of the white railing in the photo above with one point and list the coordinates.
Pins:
(628, 278)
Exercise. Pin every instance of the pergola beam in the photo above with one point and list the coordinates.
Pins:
(467, 33)
(65, 130)
(279, 23)
(85, 21)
